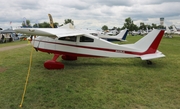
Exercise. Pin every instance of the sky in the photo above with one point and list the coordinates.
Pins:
(91, 14)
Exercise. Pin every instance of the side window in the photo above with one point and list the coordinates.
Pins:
(86, 39)
(68, 38)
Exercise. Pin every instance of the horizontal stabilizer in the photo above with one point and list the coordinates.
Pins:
(152, 56)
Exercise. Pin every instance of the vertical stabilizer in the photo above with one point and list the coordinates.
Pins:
(125, 34)
(150, 42)
(168, 30)
(174, 28)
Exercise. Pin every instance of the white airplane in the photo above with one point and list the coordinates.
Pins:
(120, 37)
(133, 33)
(73, 43)
(175, 30)
(111, 32)
(168, 32)
(144, 32)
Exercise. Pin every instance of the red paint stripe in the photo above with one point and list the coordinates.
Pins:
(65, 53)
(87, 47)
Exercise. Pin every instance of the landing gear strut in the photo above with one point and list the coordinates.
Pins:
(149, 62)
(53, 64)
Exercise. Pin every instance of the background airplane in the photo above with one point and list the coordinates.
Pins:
(133, 33)
(168, 32)
(175, 30)
(8, 35)
(120, 37)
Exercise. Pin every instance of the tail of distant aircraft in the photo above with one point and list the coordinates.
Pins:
(168, 30)
(148, 45)
(147, 30)
(68, 26)
(174, 28)
(122, 35)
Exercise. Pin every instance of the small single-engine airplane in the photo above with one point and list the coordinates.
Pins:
(73, 43)
(175, 30)
(168, 32)
(120, 37)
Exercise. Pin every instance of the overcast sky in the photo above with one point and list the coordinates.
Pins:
(92, 14)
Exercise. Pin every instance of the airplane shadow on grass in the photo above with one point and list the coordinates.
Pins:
(114, 63)
(106, 62)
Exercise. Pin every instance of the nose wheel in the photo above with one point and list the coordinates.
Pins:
(53, 64)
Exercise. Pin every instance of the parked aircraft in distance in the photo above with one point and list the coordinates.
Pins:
(175, 30)
(168, 32)
(120, 37)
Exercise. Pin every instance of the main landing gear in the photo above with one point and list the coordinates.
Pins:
(149, 62)
(53, 64)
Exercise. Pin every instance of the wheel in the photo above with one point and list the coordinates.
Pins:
(51, 64)
(149, 62)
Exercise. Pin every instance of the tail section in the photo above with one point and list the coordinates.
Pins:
(174, 28)
(67, 26)
(122, 35)
(149, 43)
(125, 34)
(146, 47)
(147, 30)
(168, 30)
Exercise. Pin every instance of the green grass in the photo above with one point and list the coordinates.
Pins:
(92, 83)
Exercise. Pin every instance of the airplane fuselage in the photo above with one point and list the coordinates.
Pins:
(82, 46)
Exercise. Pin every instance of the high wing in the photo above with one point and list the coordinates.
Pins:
(50, 32)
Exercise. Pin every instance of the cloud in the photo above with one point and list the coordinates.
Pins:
(89, 13)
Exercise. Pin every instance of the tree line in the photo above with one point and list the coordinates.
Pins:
(45, 24)
(129, 24)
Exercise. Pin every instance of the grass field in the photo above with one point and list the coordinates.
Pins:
(92, 83)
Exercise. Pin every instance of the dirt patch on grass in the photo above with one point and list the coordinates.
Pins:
(2, 69)
(12, 47)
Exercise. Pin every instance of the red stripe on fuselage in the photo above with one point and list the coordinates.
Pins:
(65, 53)
(78, 46)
